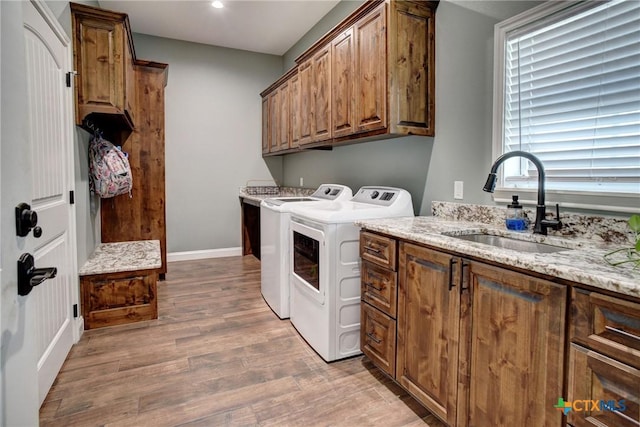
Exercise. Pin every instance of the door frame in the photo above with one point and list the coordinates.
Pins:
(69, 117)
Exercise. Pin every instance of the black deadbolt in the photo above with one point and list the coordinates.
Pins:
(26, 219)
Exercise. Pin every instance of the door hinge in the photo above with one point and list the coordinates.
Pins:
(75, 310)
(72, 197)
(68, 78)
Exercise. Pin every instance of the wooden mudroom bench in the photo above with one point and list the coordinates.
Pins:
(118, 283)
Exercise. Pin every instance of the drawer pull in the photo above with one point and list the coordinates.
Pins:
(452, 262)
(370, 285)
(372, 249)
(373, 338)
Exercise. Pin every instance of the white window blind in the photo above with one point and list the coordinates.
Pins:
(572, 98)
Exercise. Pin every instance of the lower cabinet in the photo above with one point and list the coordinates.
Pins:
(482, 345)
(428, 329)
(117, 298)
(513, 343)
(604, 361)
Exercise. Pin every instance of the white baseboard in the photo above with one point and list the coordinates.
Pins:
(207, 253)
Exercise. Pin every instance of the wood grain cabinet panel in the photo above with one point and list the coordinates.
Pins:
(378, 249)
(321, 84)
(294, 108)
(371, 71)
(343, 84)
(378, 338)
(104, 62)
(283, 120)
(306, 112)
(379, 288)
(604, 360)
(142, 216)
(118, 298)
(412, 68)
(266, 133)
(273, 122)
(427, 326)
(515, 351)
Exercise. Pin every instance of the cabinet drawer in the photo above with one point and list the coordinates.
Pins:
(379, 288)
(378, 338)
(603, 391)
(378, 250)
(118, 298)
(607, 325)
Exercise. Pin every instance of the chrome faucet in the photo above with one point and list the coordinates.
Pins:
(541, 224)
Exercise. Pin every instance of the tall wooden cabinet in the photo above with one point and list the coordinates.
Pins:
(124, 97)
(372, 76)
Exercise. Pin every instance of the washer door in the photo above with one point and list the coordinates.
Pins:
(308, 260)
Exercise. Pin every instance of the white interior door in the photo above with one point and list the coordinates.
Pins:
(50, 138)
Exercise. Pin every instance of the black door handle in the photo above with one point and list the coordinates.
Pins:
(29, 276)
(26, 219)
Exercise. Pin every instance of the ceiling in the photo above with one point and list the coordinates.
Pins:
(265, 26)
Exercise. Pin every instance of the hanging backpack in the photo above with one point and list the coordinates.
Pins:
(109, 170)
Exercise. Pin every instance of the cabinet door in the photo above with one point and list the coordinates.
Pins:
(305, 113)
(321, 72)
(265, 125)
(371, 71)
(99, 48)
(129, 79)
(294, 113)
(411, 68)
(342, 84)
(428, 325)
(516, 352)
(273, 122)
(283, 117)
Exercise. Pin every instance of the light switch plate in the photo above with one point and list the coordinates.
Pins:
(458, 189)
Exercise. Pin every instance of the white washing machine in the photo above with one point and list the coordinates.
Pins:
(274, 242)
(325, 267)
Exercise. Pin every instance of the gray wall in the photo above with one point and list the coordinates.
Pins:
(213, 120)
(461, 149)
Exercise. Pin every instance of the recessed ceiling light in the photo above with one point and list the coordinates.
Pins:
(217, 4)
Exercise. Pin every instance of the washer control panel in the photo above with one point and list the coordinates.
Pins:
(384, 196)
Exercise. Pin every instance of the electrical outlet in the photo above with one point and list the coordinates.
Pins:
(458, 189)
(301, 182)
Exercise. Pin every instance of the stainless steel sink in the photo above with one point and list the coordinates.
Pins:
(509, 243)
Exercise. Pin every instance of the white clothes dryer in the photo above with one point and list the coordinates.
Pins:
(274, 242)
(325, 267)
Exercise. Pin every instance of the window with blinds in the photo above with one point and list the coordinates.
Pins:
(571, 96)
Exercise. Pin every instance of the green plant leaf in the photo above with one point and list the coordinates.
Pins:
(638, 246)
(634, 223)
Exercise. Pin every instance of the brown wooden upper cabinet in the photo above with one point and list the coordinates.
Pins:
(373, 75)
(104, 60)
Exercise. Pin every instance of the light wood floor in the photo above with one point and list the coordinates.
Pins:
(217, 355)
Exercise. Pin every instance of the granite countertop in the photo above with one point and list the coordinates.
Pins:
(123, 256)
(255, 195)
(582, 262)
